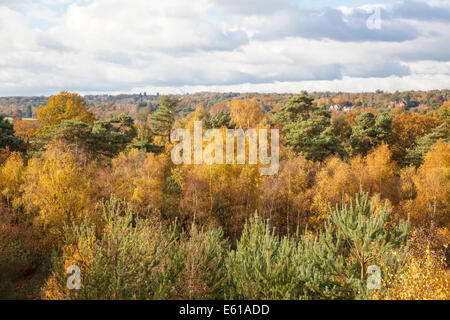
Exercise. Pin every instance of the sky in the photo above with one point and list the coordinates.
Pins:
(180, 46)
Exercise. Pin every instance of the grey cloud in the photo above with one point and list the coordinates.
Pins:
(302, 72)
(250, 7)
(52, 43)
(420, 11)
(437, 50)
(114, 57)
(222, 41)
(333, 24)
(209, 73)
(377, 70)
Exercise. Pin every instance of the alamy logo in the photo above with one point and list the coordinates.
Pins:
(374, 278)
(213, 153)
(374, 21)
(74, 280)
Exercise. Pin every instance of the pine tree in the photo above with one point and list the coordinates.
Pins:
(416, 154)
(263, 266)
(307, 128)
(221, 119)
(369, 132)
(113, 135)
(163, 119)
(354, 238)
(363, 228)
(314, 136)
(295, 107)
(130, 260)
(7, 138)
(332, 265)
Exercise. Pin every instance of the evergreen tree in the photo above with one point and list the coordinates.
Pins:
(113, 135)
(354, 238)
(29, 112)
(308, 128)
(7, 138)
(76, 134)
(144, 146)
(264, 267)
(370, 131)
(130, 260)
(416, 154)
(106, 138)
(333, 265)
(221, 119)
(163, 119)
(367, 236)
(134, 259)
(299, 106)
(315, 136)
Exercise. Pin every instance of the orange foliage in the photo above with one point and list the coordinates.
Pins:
(407, 128)
(245, 113)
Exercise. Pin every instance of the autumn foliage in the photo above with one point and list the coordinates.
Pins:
(105, 195)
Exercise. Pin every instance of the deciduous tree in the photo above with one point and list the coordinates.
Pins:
(64, 106)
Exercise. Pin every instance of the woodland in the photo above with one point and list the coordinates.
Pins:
(364, 180)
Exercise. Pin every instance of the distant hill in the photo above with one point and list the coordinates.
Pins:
(144, 104)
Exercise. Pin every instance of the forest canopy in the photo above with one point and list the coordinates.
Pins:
(364, 179)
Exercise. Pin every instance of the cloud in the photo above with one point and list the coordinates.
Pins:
(104, 45)
(148, 25)
(346, 84)
(421, 11)
(15, 2)
(250, 7)
(331, 23)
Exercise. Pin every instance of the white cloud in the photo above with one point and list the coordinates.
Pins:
(106, 45)
(348, 84)
(250, 7)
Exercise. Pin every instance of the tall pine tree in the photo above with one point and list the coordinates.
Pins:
(163, 119)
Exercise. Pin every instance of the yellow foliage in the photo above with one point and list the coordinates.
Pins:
(58, 192)
(12, 178)
(245, 114)
(430, 208)
(64, 106)
(337, 181)
(188, 123)
(138, 178)
(26, 129)
(380, 171)
(79, 255)
(148, 191)
(284, 198)
(424, 277)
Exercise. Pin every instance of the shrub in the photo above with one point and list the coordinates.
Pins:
(130, 260)
(16, 257)
(332, 265)
(423, 277)
(204, 274)
(133, 260)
